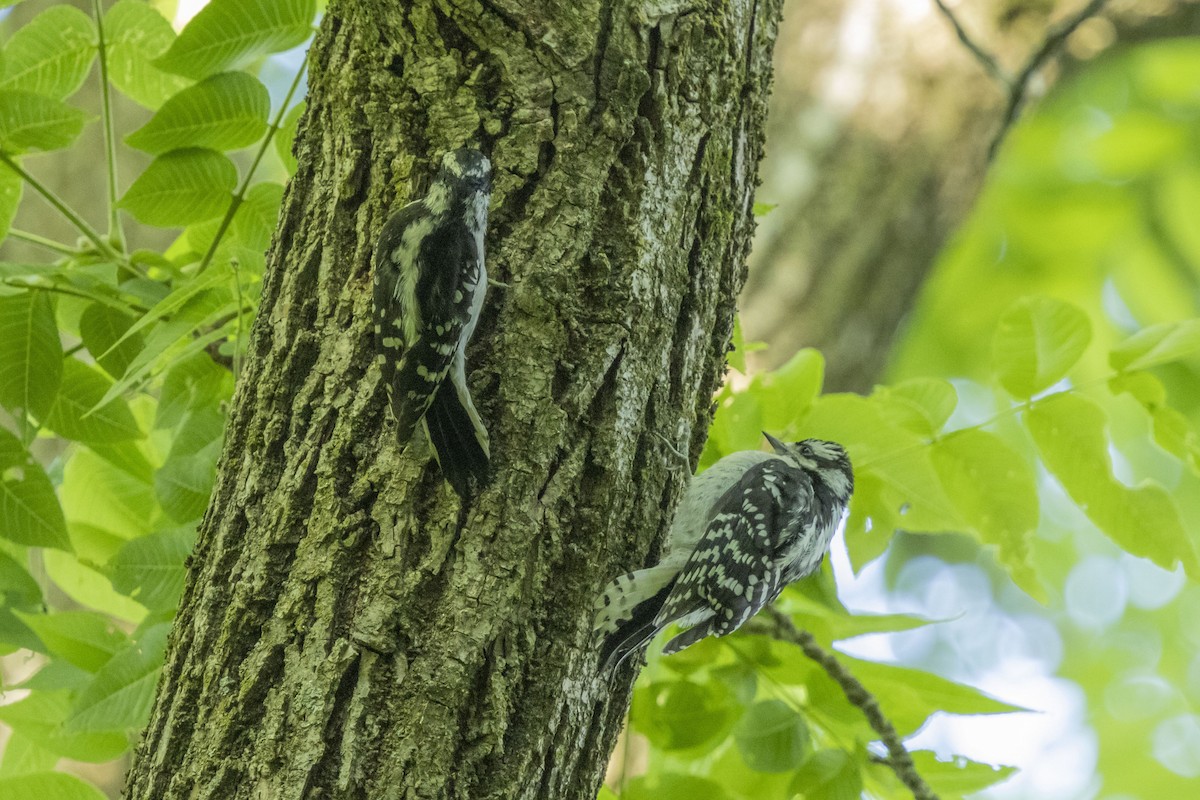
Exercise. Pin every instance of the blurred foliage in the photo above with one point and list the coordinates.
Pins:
(117, 364)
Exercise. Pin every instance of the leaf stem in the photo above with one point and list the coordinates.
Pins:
(240, 195)
(898, 756)
(79, 222)
(42, 241)
(116, 234)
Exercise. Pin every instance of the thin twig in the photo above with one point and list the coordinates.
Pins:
(116, 234)
(90, 233)
(989, 62)
(42, 241)
(898, 757)
(236, 202)
(1050, 45)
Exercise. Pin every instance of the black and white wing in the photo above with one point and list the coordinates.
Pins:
(737, 567)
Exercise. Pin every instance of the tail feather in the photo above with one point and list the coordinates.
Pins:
(625, 612)
(461, 450)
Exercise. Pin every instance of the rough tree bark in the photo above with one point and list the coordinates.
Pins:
(348, 629)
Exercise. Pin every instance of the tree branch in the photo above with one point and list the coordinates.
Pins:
(781, 628)
(989, 62)
(1050, 45)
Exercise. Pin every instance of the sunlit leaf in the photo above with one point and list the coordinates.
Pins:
(43, 785)
(912, 694)
(51, 54)
(1037, 340)
(994, 490)
(152, 569)
(90, 588)
(921, 405)
(786, 392)
(182, 187)
(121, 694)
(227, 34)
(224, 112)
(84, 638)
(1070, 433)
(136, 34)
(958, 776)
(77, 413)
(673, 786)
(772, 737)
(828, 775)
(1158, 344)
(29, 510)
(31, 121)
(39, 718)
(30, 353)
(109, 499)
(684, 716)
(185, 480)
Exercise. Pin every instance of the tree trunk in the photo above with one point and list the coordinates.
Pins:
(348, 629)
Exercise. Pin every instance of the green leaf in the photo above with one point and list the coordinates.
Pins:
(43, 785)
(39, 718)
(285, 137)
(995, 492)
(191, 383)
(684, 716)
(22, 756)
(84, 638)
(673, 786)
(121, 694)
(185, 480)
(11, 189)
(958, 776)
(90, 588)
(772, 737)
(787, 392)
(103, 330)
(52, 54)
(31, 121)
(227, 34)
(921, 405)
(909, 696)
(1158, 344)
(1037, 340)
(29, 510)
(30, 353)
(152, 569)
(1070, 433)
(136, 35)
(249, 233)
(182, 187)
(223, 112)
(77, 413)
(18, 589)
(830, 625)
(106, 498)
(828, 775)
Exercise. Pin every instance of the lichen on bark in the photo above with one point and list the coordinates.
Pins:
(348, 628)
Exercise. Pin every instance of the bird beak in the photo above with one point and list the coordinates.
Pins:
(775, 443)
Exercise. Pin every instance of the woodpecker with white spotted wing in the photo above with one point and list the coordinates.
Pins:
(747, 527)
(430, 282)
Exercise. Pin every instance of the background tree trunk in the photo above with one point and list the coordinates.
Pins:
(878, 146)
(348, 630)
